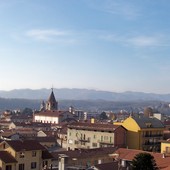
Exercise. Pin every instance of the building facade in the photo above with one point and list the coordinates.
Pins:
(92, 135)
(143, 133)
(28, 155)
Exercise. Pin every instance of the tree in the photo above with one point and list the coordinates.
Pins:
(144, 161)
(103, 116)
(27, 111)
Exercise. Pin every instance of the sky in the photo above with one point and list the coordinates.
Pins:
(109, 45)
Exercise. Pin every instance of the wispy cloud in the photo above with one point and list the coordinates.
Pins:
(137, 40)
(124, 9)
(144, 41)
(50, 35)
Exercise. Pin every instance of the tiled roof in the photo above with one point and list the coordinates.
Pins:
(45, 139)
(142, 122)
(5, 122)
(129, 154)
(7, 157)
(167, 123)
(21, 116)
(85, 153)
(94, 126)
(26, 145)
(107, 166)
(46, 155)
(51, 113)
(63, 131)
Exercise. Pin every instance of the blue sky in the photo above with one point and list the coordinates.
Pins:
(94, 44)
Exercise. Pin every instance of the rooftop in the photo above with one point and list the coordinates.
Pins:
(85, 153)
(143, 122)
(51, 113)
(129, 154)
(7, 157)
(26, 145)
(94, 126)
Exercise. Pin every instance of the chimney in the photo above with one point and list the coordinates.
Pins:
(62, 162)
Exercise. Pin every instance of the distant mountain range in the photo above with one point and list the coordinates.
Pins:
(84, 99)
(82, 94)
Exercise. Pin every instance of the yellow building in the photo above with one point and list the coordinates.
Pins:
(143, 133)
(7, 161)
(165, 147)
(27, 155)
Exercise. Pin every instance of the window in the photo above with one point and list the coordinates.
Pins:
(110, 139)
(95, 162)
(21, 166)
(105, 138)
(167, 149)
(4, 146)
(76, 134)
(33, 153)
(22, 155)
(101, 138)
(76, 142)
(94, 144)
(94, 136)
(33, 165)
(8, 167)
(45, 163)
(148, 125)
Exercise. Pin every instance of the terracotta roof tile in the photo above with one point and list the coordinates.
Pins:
(94, 126)
(107, 166)
(45, 139)
(7, 157)
(129, 154)
(51, 113)
(85, 153)
(27, 145)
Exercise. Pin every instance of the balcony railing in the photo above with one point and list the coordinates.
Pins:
(151, 143)
(84, 140)
(105, 142)
(153, 136)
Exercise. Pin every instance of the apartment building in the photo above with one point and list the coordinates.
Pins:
(143, 133)
(24, 155)
(93, 135)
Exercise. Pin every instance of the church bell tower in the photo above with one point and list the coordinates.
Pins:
(52, 104)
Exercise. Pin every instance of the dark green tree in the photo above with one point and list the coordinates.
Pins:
(27, 111)
(103, 116)
(144, 161)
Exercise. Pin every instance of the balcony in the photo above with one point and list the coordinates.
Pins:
(84, 140)
(153, 136)
(151, 143)
(105, 142)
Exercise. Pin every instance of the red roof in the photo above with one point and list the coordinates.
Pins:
(7, 157)
(85, 153)
(26, 145)
(51, 113)
(129, 154)
(94, 126)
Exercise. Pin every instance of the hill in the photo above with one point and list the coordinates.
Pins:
(84, 99)
(83, 94)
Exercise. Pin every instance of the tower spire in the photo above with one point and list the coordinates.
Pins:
(52, 104)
